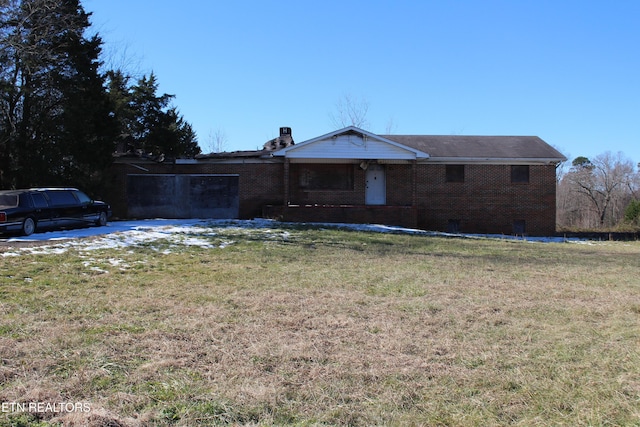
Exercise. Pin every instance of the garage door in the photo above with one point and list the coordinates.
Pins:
(183, 196)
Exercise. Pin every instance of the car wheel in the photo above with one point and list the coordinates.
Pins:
(102, 219)
(28, 226)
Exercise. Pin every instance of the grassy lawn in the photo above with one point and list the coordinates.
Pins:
(313, 327)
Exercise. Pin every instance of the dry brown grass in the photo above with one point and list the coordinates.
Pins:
(328, 328)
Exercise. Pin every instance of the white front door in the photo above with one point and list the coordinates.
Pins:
(376, 187)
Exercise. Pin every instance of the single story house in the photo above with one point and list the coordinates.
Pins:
(455, 183)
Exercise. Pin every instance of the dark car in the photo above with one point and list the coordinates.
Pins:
(27, 211)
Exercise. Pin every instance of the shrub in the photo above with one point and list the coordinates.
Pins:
(632, 212)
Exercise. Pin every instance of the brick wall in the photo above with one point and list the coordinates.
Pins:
(404, 216)
(399, 185)
(486, 202)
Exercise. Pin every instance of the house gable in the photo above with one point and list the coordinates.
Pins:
(350, 144)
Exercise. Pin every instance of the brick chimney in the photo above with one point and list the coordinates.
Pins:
(284, 140)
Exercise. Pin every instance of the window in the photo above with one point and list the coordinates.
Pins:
(453, 226)
(519, 227)
(520, 174)
(39, 201)
(455, 173)
(8, 200)
(83, 198)
(61, 198)
(326, 177)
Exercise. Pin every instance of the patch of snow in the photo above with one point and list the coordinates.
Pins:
(202, 233)
(225, 244)
(116, 262)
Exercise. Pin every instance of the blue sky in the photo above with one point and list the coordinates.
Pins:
(566, 71)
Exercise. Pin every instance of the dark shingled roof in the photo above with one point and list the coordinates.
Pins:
(233, 154)
(481, 147)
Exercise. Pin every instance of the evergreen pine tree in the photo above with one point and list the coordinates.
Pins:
(56, 122)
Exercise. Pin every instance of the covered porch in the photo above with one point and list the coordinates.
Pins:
(349, 175)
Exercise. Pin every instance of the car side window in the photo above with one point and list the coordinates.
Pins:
(24, 201)
(8, 200)
(39, 201)
(60, 198)
(83, 198)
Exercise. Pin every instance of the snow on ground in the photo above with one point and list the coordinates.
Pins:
(193, 232)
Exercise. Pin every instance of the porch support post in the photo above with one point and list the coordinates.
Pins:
(285, 202)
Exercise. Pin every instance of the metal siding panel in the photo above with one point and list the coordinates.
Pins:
(183, 196)
(151, 196)
(213, 196)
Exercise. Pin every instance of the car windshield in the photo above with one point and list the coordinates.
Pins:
(8, 200)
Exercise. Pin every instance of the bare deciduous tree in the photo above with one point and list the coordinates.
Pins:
(350, 111)
(594, 193)
(217, 141)
(391, 126)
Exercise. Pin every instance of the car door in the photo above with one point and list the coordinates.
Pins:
(41, 210)
(65, 209)
(88, 212)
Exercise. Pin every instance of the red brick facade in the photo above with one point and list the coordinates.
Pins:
(487, 201)
(417, 194)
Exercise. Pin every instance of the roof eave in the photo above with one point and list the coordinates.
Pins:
(499, 160)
